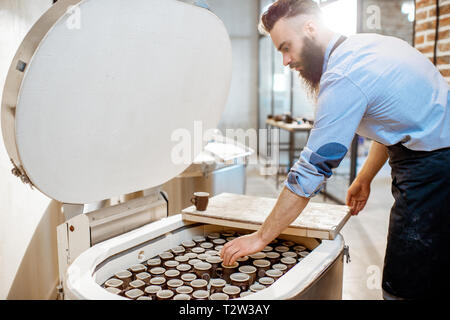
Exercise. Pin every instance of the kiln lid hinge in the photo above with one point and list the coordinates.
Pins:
(20, 173)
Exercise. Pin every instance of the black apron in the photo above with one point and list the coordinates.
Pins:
(417, 260)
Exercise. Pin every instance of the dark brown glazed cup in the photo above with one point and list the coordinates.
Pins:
(152, 290)
(199, 284)
(137, 284)
(216, 285)
(228, 270)
(200, 295)
(152, 263)
(188, 277)
(251, 271)
(144, 276)
(200, 200)
(241, 280)
(216, 267)
(203, 270)
(273, 257)
(289, 262)
(126, 276)
(262, 266)
(232, 291)
(164, 295)
(134, 294)
(173, 284)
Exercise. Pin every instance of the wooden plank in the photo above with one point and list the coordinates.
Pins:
(318, 220)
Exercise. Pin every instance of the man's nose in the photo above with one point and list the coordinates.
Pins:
(286, 60)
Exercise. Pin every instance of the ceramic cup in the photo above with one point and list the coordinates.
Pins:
(245, 260)
(266, 281)
(126, 276)
(188, 245)
(257, 256)
(262, 266)
(172, 274)
(184, 268)
(198, 239)
(152, 290)
(182, 259)
(274, 273)
(164, 295)
(273, 257)
(152, 263)
(206, 245)
(185, 290)
(256, 287)
(137, 284)
(280, 266)
(245, 294)
(144, 298)
(144, 276)
(228, 270)
(216, 268)
(299, 248)
(200, 295)
(200, 200)
(171, 264)
(198, 250)
(114, 283)
(288, 243)
(232, 291)
(219, 241)
(267, 249)
(158, 281)
(182, 296)
(188, 277)
(137, 268)
(219, 296)
(213, 235)
(289, 254)
(178, 250)
(113, 290)
(251, 271)
(281, 249)
(157, 271)
(191, 255)
(173, 284)
(166, 256)
(289, 262)
(241, 280)
(216, 285)
(199, 284)
(134, 294)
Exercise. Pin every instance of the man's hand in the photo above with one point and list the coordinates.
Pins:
(242, 246)
(357, 196)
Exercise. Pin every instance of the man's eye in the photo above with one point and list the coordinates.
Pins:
(286, 49)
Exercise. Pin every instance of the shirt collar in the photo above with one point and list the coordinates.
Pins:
(328, 51)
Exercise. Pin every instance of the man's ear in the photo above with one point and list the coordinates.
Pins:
(310, 29)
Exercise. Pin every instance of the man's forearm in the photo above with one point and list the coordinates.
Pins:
(376, 159)
(286, 210)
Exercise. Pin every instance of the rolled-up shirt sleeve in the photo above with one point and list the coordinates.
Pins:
(340, 108)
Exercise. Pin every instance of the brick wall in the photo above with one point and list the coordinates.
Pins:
(425, 32)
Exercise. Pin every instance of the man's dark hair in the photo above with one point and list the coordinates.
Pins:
(286, 9)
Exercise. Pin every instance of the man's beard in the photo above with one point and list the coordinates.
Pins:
(312, 57)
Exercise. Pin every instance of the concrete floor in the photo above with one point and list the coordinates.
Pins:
(365, 234)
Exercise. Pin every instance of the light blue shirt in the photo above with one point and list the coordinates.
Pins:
(381, 88)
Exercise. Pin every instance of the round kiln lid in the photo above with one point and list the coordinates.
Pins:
(115, 95)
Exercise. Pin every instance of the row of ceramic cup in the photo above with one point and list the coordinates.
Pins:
(198, 259)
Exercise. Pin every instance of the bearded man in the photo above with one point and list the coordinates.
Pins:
(383, 89)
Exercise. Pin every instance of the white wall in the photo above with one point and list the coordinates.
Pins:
(28, 261)
(241, 19)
